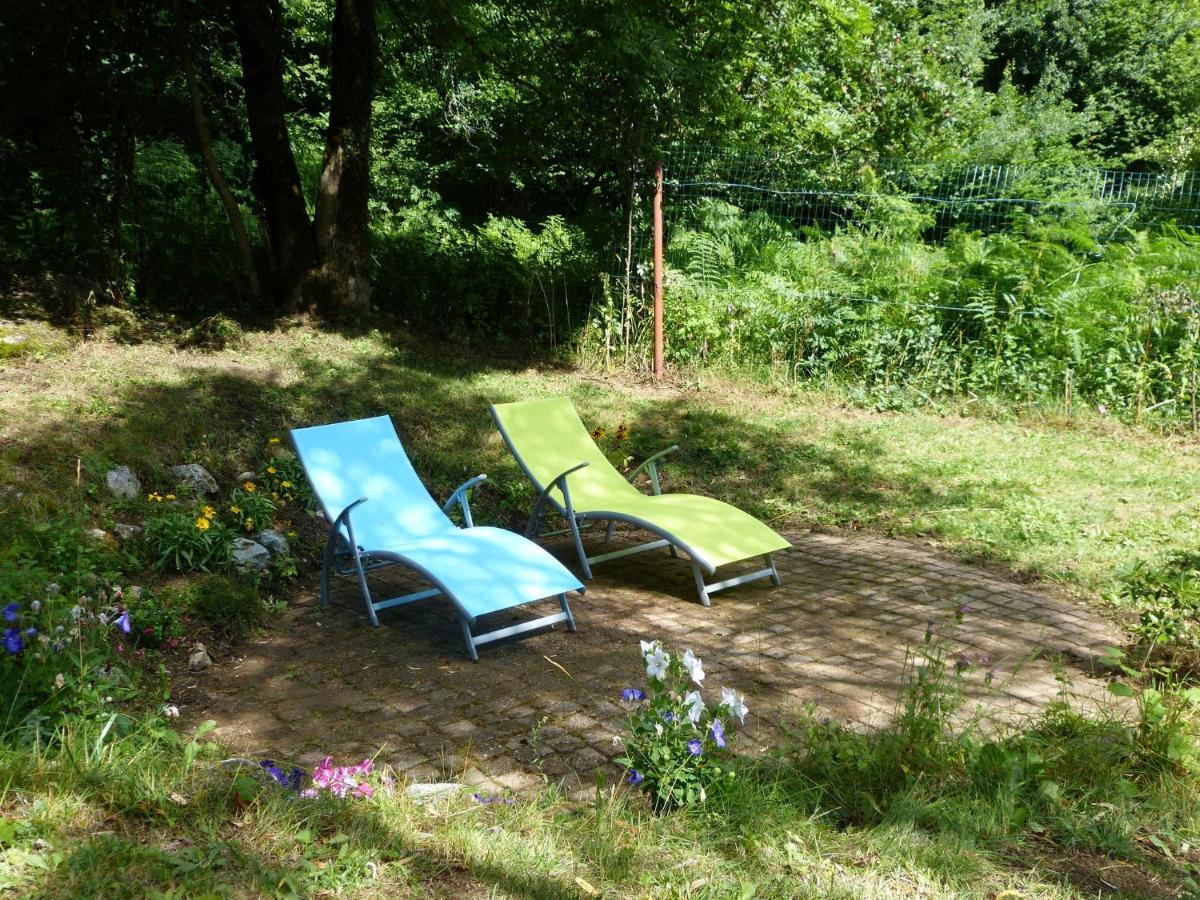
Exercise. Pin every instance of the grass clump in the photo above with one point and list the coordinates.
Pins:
(232, 607)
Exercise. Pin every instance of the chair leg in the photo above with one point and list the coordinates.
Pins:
(366, 591)
(327, 563)
(562, 600)
(468, 640)
(608, 533)
(698, 573)
(775, 579)
(583, 562)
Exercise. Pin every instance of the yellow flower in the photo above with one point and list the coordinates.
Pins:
(235, 509)
(170, 496)
(249, 487)
(274, 495)
(273, 440)
(285, 484)
(202, 523)
(209, 512)
(271, 470)
(155, 496)
(249, 524)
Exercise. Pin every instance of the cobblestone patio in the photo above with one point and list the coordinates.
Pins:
(833, 635)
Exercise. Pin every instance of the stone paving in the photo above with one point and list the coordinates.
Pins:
(834, 635)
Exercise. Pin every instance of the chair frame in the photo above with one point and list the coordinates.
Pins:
(350, 559)
(578, 521)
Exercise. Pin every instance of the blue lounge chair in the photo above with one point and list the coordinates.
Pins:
(382, 515)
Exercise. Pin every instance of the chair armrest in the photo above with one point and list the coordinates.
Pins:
(651, 466)
(343, 518)
(462, 495)
(559, 481)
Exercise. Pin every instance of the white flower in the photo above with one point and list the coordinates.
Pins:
(693, 666)
(59, 681)
(657, 661)
(76, 612)
(35, 606)
(736, 703)
(658, 729)
(695, 704)
(171, 712)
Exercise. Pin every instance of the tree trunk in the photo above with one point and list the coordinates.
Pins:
(293, 246)
(342, 233)
(204, 140)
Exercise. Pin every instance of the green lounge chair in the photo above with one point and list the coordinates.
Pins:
(575, 479)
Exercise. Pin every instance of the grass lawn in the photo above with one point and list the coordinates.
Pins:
(145, 812)
(1073, 503)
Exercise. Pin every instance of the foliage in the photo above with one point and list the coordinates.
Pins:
(186, 537)
(944, 772)
(251, 508)
(231, 607)
(677, 748)
(215, 332)
(284, 480)
(1038, 314)
(1166, 597)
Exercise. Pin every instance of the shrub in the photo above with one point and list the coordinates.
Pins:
(283, 478)
(677, 749)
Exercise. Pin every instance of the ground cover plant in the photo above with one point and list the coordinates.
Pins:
(1038, 808)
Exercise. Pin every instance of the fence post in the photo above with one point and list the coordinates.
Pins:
(658, 270)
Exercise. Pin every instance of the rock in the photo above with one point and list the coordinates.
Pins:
(199, 660)
(123, 483)
(434, 792)
(273, 541)
(247, 476)
(100, 536)
(195, 477)
(249, 556)
(126, 532)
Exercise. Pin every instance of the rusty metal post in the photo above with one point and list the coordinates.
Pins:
(658, 270)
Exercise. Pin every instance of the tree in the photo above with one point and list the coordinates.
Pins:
(321, 264)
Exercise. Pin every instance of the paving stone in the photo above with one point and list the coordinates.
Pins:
(834, 636)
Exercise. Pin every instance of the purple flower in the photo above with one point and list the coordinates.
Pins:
(274, 771)
(123, 621)
(31, 632)
(667, 715)
(489, 799)
(695, 747)
(633, 694)
(718, 733)
(12, 641)
(635, 777)
(10, 612)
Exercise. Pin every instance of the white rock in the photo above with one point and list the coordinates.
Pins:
(194, 476)
(247, 476)
(249, 556)
(99, 535)
(123, 483)
(432, 793)
(199, 659)
(126, 532)
(273, 541)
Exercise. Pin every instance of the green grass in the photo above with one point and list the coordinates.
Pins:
(1074, 502)
(142, 813)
